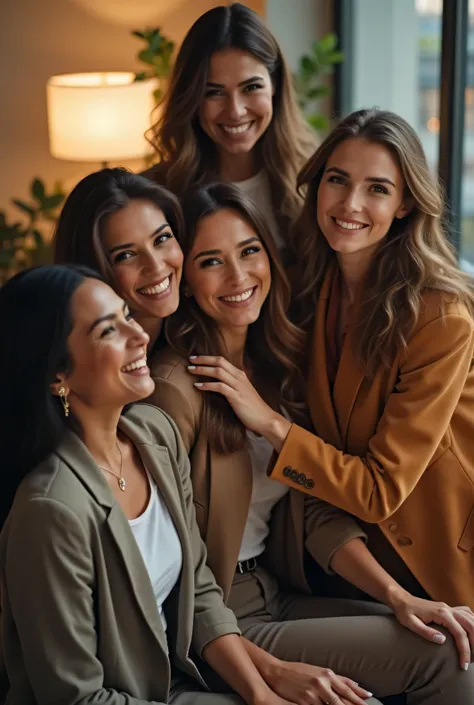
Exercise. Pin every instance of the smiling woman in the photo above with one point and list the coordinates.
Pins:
(128, 229)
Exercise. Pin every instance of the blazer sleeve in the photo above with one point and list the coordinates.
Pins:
(212, 618)
(49, 575)
(416, 417)
(169, 397)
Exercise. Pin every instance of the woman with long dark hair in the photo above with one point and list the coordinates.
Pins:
(235, 295)
(230, 114)
(106, 596)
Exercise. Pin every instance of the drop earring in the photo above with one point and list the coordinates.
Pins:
(63, 396)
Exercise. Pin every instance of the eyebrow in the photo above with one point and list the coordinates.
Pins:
(244, 243)
(372, 179)
(130, 244)
(252, 79)
(108, 317)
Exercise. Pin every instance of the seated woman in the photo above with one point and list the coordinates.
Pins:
(391, 380)
(128, 229)
(106, 596)
(235, 295)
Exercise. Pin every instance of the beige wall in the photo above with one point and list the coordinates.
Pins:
(39, 38)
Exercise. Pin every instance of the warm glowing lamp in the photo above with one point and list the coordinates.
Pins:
(99, 117)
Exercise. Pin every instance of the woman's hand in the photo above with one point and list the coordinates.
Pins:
(416, 614)
(303, 684)
(252, 410)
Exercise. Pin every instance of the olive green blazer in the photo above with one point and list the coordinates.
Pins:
(80, 624)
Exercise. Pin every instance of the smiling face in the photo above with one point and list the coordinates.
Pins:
(237, 105)
(108, 351)
(360, 193)
(228, 270)
(145, 257)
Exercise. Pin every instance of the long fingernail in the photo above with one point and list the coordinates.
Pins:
(439, 638)
(198, 384)
(369, 694)
(466, 666)
(191, 367)
(192, 357)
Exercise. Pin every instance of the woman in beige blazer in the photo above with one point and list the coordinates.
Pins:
(391, 379)
(234, 302)
(105, 592)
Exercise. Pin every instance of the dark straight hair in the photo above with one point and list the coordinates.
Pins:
(78, 236)
(35, 320)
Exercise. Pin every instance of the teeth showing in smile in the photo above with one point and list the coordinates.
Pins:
(135, 365)
(349, 226)
(236, 130)
(239, 297)
(158, 289)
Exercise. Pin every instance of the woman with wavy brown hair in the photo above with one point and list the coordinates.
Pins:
(391, 377)
(230, 115)
(257, 531)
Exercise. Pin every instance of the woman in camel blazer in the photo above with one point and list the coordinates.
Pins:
(232, 494)
(105, 591)
(391, 380)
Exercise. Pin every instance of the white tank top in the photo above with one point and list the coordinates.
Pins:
(159, 545)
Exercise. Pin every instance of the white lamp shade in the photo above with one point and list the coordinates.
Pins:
(99, 116)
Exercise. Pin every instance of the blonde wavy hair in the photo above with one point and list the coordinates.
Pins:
(187, 156)
(414, 257)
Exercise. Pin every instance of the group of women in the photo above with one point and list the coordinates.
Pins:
(289, 517)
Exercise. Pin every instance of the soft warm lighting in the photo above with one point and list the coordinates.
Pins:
(433, 124)
(98, 116)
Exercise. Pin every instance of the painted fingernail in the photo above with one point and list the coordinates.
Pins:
(466, 666)
(192, 357)
(191, 367)
(198, 384)
(369, 694)
(439, 638)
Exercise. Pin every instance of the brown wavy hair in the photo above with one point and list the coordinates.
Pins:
(414, 257)
(188, 156)
(274, 346)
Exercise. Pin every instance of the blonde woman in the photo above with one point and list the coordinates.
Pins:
(230, 114)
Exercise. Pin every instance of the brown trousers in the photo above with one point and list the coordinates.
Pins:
(361, 640)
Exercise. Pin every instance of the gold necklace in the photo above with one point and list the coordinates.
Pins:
(122, 483)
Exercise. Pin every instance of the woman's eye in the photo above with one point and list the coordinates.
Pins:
(251, 250)
(163, 237)
(212, 93)
(210, 262)
(335, 180)
(128, 315)
(107, 331)
(122, 257)
(377, 188)
(252, 87)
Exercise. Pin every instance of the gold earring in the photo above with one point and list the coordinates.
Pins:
(64, 401)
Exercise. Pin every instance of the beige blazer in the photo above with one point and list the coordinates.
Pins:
(80, 622)
(398, 450)
(222, 487)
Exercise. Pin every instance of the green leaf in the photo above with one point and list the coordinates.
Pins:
(39, 241)
(336, 57)
(307, 64)
(142, 76)
(146, 56)
(137, 33)
(157, 94)
(318, 122)
(156, 43)
(53, 201)
(25, 207)
(37, 190)
(327, 43)
(317, 92)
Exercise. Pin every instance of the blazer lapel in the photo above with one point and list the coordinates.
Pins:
(323, 414)
(74, 453)
(230, 487)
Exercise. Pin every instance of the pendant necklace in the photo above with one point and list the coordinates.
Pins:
(120, 479)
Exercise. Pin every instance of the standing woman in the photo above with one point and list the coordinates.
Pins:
(230, 114)
(234, 300)
(128, 229)
(391, 384)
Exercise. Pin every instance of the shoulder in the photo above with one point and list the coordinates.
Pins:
(152, 425)
(444, 309)
(169, 370)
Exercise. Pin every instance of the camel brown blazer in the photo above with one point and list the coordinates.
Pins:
(80, 624)
(222, 486)
(398, 450)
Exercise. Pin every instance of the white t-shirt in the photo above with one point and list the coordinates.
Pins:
(159, 545)
(265, 494)
(257, 188)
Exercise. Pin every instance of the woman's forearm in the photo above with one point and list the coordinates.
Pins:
(356, 564)
(229, 658)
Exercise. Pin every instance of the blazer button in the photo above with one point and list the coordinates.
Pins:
(309, 484)
(404, 541)
(301, 479)
(294, 475)
(393, 528)
(287, 470)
